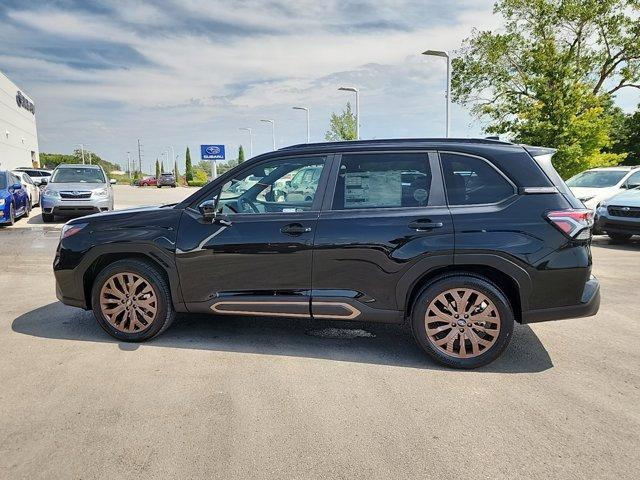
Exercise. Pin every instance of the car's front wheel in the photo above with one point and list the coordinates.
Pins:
(131, 301)
(462, 321)
(47, 217)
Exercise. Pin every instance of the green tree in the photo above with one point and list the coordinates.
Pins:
(343, 126)
(162, 167)
(626, 137)
(188, 166)
(550, 76)
(157, 169)
(52, 160)
(240, 154)
(176, 173)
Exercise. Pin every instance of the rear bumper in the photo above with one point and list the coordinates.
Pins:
(588, 306)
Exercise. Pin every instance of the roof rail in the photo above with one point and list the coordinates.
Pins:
(350, 143)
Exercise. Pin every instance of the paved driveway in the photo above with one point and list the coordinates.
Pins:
(254, 398)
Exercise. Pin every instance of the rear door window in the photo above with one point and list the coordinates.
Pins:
(473, 181)
(382, 180)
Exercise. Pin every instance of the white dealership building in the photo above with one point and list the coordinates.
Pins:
(18, 134)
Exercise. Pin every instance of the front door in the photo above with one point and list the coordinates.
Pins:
(384, 224)
(255, 257)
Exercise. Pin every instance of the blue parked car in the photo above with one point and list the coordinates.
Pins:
(14, 200)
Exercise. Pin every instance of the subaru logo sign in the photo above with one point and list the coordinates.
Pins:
(212, 152)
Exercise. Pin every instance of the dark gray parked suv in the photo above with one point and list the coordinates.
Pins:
(166, 180)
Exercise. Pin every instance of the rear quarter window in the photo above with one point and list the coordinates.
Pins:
(473, 181)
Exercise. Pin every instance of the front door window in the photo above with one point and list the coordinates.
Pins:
(278, 186)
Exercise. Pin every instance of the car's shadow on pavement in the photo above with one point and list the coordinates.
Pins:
(342, 341)
(633, 244)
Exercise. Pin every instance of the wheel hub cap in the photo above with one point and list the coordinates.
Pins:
(462, 323)
(128, 302)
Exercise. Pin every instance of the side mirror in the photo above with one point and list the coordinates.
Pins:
(16, 186)
(208, 209)
(288, 183)
(43, 180)
(113, 181)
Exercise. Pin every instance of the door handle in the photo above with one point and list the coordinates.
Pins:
(423, 225)
(295, 229)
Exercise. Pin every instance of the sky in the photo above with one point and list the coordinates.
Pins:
(178, 73)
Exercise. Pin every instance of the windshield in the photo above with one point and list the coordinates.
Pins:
(78, 175)
(597, 178)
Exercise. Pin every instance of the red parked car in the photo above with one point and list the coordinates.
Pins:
(148, 182)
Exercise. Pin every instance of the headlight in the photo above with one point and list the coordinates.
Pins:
(51, 193)
(1, 201)
(103, 192)
(69, 230)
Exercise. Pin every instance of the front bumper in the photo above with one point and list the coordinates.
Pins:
(588, 306)
(62, 207)
(610, 224)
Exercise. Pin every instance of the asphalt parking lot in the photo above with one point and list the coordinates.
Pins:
(272, 398)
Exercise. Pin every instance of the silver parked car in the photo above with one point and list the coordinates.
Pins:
(76, 190)
(619, 216)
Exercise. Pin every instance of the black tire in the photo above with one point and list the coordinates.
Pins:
(159, 186)
(27, 210)
(480, 284)
(173, 186)
(12, 215)
(47, 217)
(619, 237)
(165, 313)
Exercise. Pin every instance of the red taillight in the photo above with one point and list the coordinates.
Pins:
(575, 222)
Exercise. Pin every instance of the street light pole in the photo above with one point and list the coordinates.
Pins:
(129, 163)
(357, 92)
(273, 130)
(247, 129)
(306, 109)
(445, 55)
(81, 145)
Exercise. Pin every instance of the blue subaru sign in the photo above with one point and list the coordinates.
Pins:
(212, 152)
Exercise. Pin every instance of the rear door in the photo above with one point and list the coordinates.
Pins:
(384, 223)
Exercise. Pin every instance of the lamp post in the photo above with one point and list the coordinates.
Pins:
(357, 92)
(445, 55)
(306, 109)
(247, 129)
(81, 145)
(273, 130)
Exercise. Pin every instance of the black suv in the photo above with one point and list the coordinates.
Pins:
(460, 238)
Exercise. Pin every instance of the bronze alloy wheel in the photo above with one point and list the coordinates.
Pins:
(462, 323)
(128, 302)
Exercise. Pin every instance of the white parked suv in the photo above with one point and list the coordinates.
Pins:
(594, 186)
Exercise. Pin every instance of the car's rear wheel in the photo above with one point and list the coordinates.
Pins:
(158, 186)
(47, 217)
(619, 237)
(462, 321)
(131, 301)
